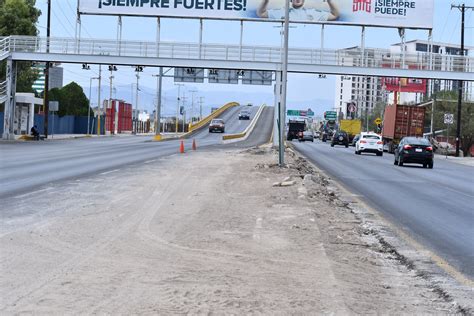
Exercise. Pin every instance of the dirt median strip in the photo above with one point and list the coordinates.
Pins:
(204, 233)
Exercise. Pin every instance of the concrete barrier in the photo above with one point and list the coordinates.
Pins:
(231, 138)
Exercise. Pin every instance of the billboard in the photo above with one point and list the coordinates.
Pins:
(405, 85)
(384, 13)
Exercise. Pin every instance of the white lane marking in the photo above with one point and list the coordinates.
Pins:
(150, 161)
(31, 193)
(111, 171)
(258, 226)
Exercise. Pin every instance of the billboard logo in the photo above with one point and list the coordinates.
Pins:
(361, 5)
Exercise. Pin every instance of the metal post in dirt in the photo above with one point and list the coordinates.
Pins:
(98, 101)
(282, 108)
(46, 73)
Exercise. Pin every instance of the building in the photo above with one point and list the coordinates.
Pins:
(362, 93)
(444, 62)
(359, 93)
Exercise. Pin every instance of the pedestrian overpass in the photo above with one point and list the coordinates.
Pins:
(356, 61)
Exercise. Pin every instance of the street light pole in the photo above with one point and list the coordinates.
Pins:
(98, 102)
(192, 105)
(136, 103)
(177, 105)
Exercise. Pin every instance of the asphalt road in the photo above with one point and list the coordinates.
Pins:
(436, 207)
(27, 166)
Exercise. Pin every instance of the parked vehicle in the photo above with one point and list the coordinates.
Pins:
(244, 115)
(217, 125)
(306, 136)
(294, 128)
(414, 150)
(355, 139)
(340, 138)
(369, 143)
(400, 121)
(351, 127)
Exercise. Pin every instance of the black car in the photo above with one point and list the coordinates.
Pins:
(340, 138)
(414, 150)
(355, 139)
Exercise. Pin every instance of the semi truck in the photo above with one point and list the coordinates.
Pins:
(294, 128)
(400, 121)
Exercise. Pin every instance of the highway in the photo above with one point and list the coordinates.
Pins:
(435, 207)
(27, 166)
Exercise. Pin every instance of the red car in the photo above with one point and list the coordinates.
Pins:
(217, 125)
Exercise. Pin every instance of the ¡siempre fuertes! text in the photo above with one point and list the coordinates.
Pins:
(227, 5)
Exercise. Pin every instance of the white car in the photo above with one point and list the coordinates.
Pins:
(369, 143)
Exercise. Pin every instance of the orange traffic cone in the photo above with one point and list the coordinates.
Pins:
(194, 144)
(181, 147)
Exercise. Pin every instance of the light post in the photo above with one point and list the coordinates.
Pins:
(282, 107)
(90, 103)
(177, 105)
(158, 104)
(192, 105)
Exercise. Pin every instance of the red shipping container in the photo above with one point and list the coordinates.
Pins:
(124, 117)
(403, 120)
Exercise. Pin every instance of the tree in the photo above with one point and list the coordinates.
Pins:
(19, 17)
(72, 100)
(446, 102)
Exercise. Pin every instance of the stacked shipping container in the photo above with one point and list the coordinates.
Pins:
(124, 117)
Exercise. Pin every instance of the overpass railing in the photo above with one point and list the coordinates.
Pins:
(369, 57)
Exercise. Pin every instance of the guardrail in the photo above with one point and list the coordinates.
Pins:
(245, 134)
(369, 57)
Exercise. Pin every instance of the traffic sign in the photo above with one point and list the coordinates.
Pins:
(352, 108)
(378, 121)
(307, 113)
(448, 118)
(330, 115)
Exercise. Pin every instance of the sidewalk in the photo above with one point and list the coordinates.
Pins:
(227, 233)
(467, 161)
(77, 136)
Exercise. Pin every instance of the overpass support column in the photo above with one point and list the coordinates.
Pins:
(277, 93)
(9, 114)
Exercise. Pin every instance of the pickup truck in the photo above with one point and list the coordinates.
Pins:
(294, 129)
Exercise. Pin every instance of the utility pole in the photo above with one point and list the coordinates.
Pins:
(177, 105)
(90, 103)
(46, 74)
(201, 101)
(159, 83)
(112, 68)
(282, 107)
(98, 101)
(462, 8)
(184, 98)
(136, 103)
(192, 105)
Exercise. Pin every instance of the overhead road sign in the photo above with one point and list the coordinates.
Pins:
(255, 77)
(228, 76)
(306, 113)
(195, 75)
(416, 14)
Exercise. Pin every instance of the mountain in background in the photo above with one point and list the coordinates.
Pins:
(212, 98)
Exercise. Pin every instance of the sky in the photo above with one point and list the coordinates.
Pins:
(303, 90)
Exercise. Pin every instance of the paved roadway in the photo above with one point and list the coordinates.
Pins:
(436, 206)
(26, 166)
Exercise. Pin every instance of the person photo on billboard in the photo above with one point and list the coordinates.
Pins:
(298, 12)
